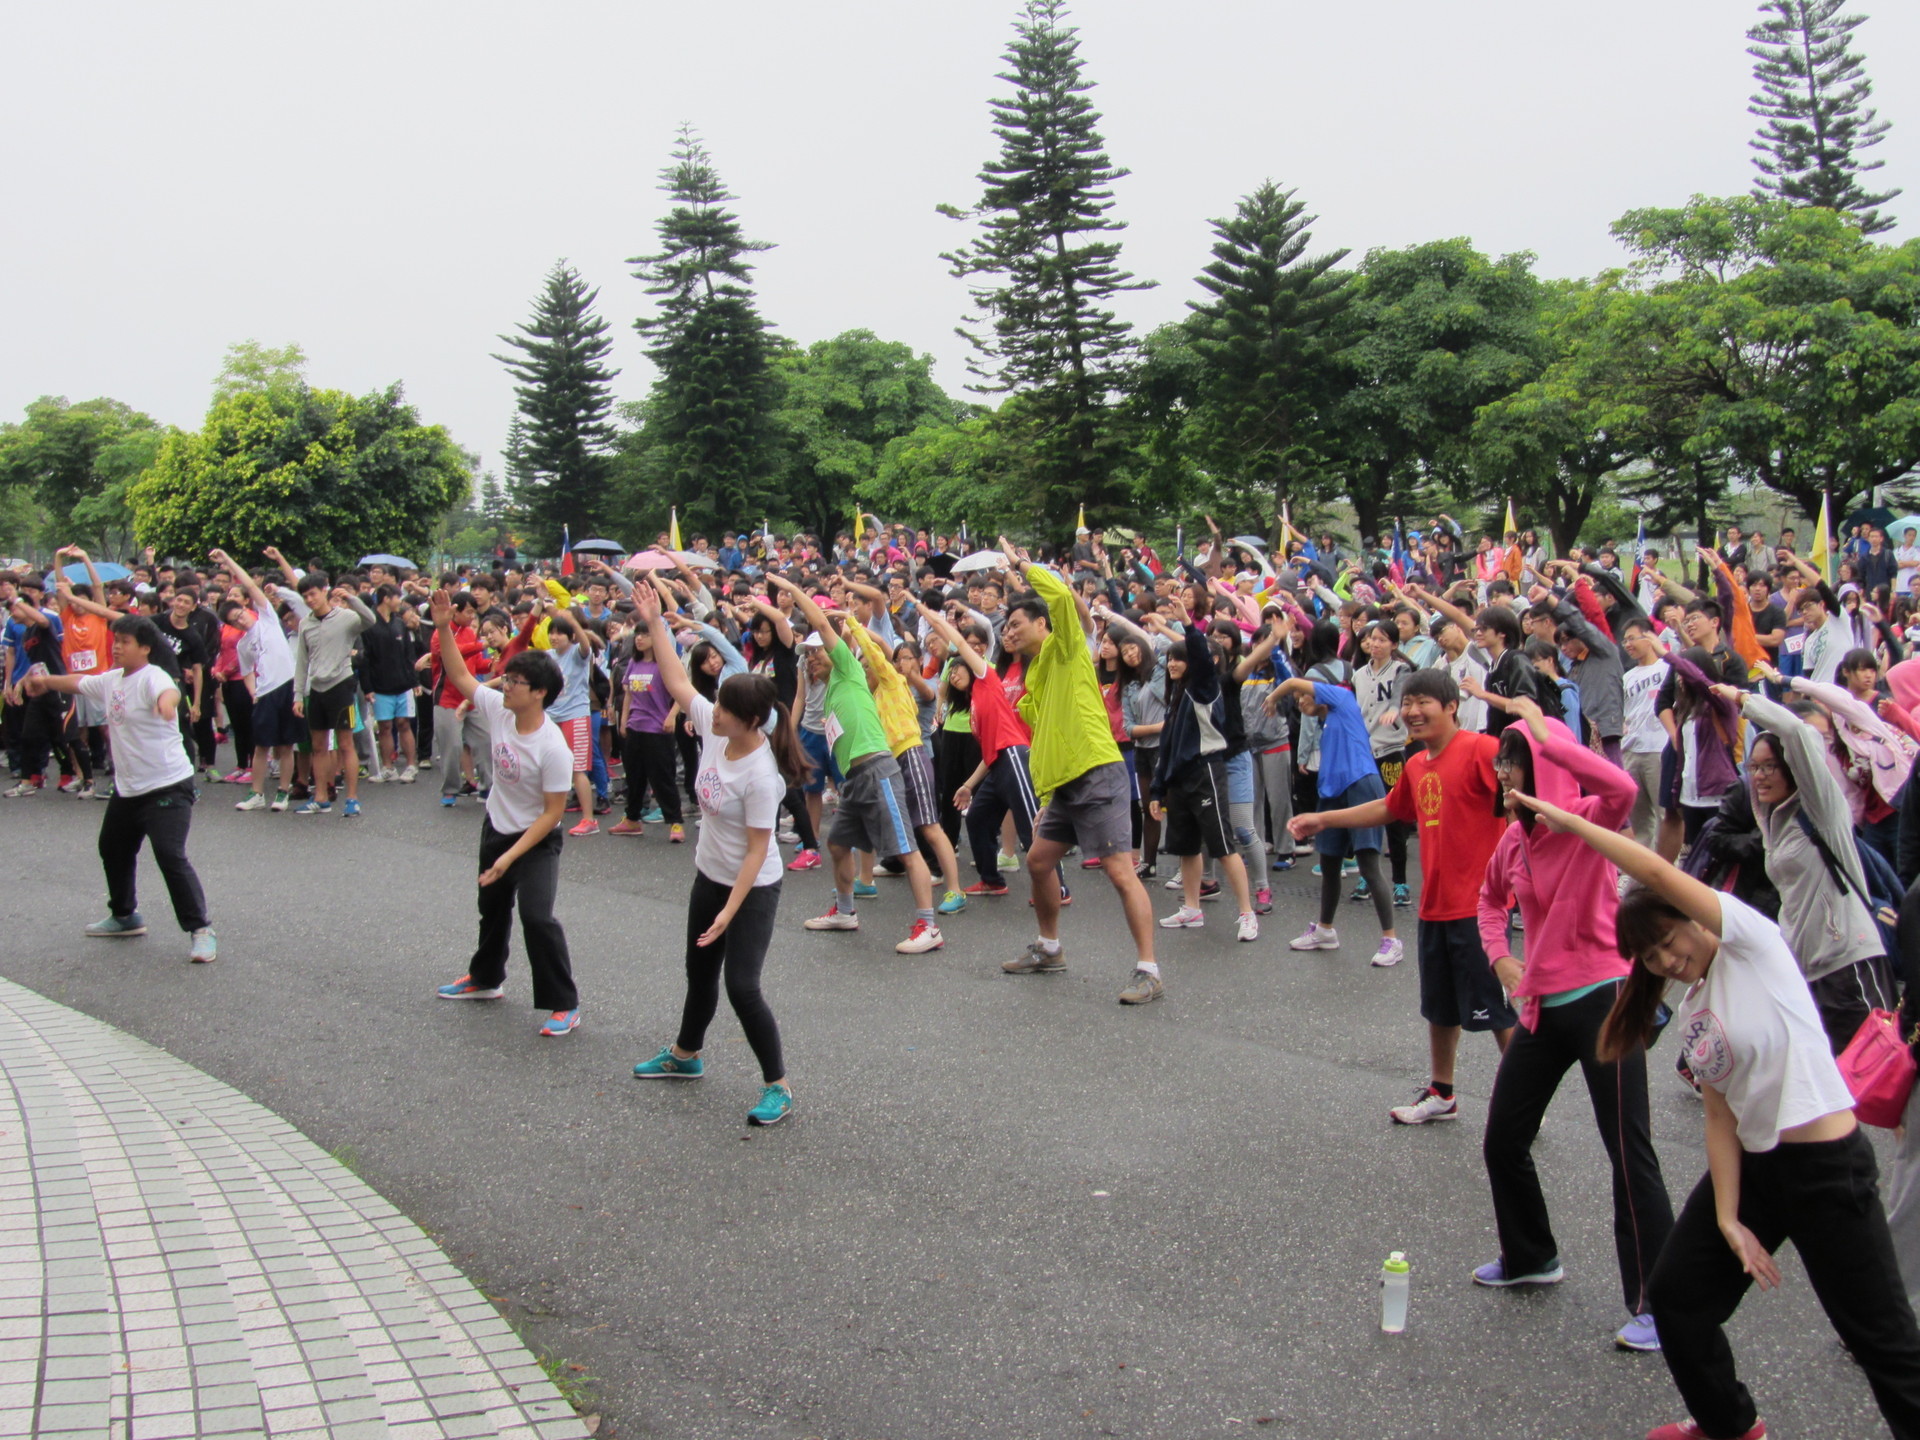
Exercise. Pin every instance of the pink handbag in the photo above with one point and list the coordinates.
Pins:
(1879, 1069)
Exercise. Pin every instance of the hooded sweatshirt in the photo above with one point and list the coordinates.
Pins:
(1568, 894)
(1827, 927)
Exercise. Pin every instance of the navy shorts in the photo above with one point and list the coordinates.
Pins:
(273, 722)
(1457, 983)
(1363, 791)
(824, 765)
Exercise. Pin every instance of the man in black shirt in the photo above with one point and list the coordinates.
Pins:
(388, 650)
(185, 644)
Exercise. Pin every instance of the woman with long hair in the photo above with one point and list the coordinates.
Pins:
(1377, 685)
(1566, 987)
(1785, 1157)
(771, 650)
(743, 776)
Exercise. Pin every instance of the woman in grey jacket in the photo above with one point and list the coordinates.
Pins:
(1828, 927)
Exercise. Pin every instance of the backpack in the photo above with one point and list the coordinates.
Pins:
(1884, 892)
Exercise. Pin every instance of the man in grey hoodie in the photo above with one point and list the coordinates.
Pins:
(325, 689)
(1593, 663)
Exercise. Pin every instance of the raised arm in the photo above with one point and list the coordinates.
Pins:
(453, 664)
(947, 631)
(672, 673)
(291, 575)
(816, 617)
(1697, 901)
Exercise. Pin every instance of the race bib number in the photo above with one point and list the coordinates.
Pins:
(1794, 644)
(834, 730)
(81, 662)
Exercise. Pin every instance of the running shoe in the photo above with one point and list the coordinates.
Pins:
(981, 887)
(1427, 1105)
(349, 810)
(1249, 926)
(410, 774)
(465, 989)
(805, 860)
(103, 790)
(238, 777)
(255, 801)
(377, 776)
(573, 806)
(85, 792)
(118, 927)
(212, 774)
(449, 801)
(1036, 960)
(925, 936)
(467, 787)
(22, 790)
(952, 903)
(653, 815)
(1008, 862)
(1347, 867)
(1639, 1334)
(588, 826)
(1263, 901)
(280, 801)
(676, 835)
(1391, 952)
(1494, 1275)
(787, 835)
(1361, 892)
(862, 890)
(314, 807)
(834, 919)
(1209, 889)
(1185, 918)
(1688, 1430)
(627, 827)
(205, 946)
(603, 804)
(1315, 937)
(561, 1022)
(776, 1103)
(1091, 864)
(69, 784)
(1283, 862)
(1144, 987)
(1144, 871)
(1402, 896)
(1173, 884)
(669, 1066)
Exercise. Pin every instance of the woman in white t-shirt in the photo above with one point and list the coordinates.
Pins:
(743, 778)
(1785, 1157)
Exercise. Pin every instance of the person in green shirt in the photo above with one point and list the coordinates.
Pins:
(1078, 775)
(873, 800)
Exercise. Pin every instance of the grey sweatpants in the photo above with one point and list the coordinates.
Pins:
(471, 732)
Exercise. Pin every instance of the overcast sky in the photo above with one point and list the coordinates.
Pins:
(388, 184)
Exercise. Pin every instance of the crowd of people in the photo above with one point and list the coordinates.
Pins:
(1634, 806)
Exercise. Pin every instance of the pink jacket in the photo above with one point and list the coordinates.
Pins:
(1568, 895)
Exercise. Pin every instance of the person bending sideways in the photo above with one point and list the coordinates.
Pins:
(749, 756)
(520, 837)
(153, 790)
(1448, 793)
(1785, 1157)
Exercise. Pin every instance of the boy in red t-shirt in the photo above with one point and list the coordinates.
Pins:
(1449, 795)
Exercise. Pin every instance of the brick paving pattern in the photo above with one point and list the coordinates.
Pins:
(176, 1260)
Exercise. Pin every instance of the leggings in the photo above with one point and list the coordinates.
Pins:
(956, 753)
(740, 952)
(1144, 759)
(795, 802)
(1390, 765)
(650, 762)
(239, 702)
(1369, 862)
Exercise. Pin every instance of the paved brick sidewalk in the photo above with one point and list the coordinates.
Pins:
(175, 1260)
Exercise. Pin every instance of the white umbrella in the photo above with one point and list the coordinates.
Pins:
(979, 560)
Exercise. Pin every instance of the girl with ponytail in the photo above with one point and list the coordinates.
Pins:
(749, 755)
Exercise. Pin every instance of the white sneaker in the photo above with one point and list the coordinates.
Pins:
(1173, 884)
(787, 835)
(409, 775)
(255, 801)
(377, 776)
(1426, 1106)
(1249, 925)
(833, 920)
(22, 790)
(1185, 918)
(926, 936)
(1315, 937)
(1391, 952)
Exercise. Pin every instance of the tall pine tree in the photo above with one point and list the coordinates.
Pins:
(711, 434)
(1813, 97)
(1045, 269)
(559, 465)
(1265, 343)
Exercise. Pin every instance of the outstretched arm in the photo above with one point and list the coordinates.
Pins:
(452, 663)
(1692, 898)
(816, 617)
(672, 673)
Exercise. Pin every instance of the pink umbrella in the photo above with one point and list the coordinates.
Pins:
(649, 560)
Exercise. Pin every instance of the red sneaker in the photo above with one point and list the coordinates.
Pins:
(980, 887)
(1688, 1430)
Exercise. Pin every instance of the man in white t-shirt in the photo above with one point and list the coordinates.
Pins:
(266, 659)
(153, 790)
(1644, 740)
(520, 838)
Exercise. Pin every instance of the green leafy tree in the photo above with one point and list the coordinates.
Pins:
(251, 366)
(842, 402)
(713, 448)
(565, 392)
(72, 465)
(1265, 340)
(976, 471)
(1044, 270)
(321, 473)
(1780, 343)
(1813, 97)
(1434, 332)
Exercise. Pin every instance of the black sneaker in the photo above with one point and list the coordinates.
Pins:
(1209, 889)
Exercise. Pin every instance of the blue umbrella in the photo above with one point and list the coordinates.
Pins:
(599, 547)
(77, 573)
(392, 562)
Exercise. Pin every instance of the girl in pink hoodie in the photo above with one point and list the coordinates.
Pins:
(1568, 896)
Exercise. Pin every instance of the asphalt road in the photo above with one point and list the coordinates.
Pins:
(1003, 1207)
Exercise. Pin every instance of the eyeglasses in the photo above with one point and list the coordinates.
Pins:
(511, 680)
(1505, 767)
(1764, 769)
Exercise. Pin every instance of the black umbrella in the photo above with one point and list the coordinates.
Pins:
(942, 565)
(1868, 515)
(598, 547)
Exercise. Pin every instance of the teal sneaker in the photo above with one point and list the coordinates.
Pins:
(952, 903)
(669, 1066)
(118, 927)
(775, 1102)
(652, 816)
(864, 891)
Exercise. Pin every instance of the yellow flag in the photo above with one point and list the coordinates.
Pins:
(673, 528)
(1821, 555)
(1082, 522)
(1511, 528)
(859, 526)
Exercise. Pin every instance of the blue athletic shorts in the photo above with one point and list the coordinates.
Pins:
(393, 707)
